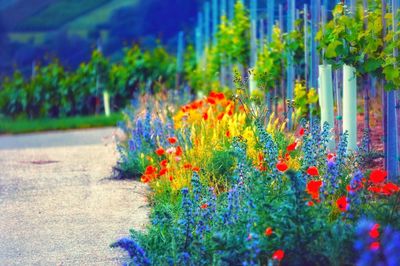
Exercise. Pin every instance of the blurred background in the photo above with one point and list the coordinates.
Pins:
(36, 31)
(39, 30)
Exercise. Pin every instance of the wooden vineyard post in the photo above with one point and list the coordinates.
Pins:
(290, 67)
(350, 106)
(392, 131)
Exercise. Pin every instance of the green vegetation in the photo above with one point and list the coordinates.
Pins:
(9, 126)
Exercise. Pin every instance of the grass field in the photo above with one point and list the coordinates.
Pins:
(8, 126)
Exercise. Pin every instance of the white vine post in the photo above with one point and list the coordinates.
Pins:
(326, 89)
(350, 106)
(350, 99)
(106, 94)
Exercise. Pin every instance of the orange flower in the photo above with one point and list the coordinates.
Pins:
(313, 171)
(278, 255)
(291, 147)
(171, 178)
(160, 151)
(145, 178)
(220, 116)
(377, 176)
(281, 166)
(178, 151)
(204, 206)
(228, 134)
(196, 169)
(172, 140)
(268, 231)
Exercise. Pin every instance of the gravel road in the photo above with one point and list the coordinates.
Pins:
(57, 204)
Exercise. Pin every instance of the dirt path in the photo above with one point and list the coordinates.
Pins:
(57, 206)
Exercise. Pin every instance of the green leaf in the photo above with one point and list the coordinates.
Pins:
(391, 73)
(331, 49)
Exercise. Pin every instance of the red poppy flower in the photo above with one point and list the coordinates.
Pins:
(178, 151)
(205, 116)
(204, 206)
(213, 94)
(171, 178)
(164, 163)
(278, 255)
(374, 246)
(172, 140)
(377, 176)
(313, 171)
(228, 134)
(150, 170)
(310, 203)
(268, 231)
(160, 151)
(301, 132)
(187, 166)
(241, 108)
(341, 203)
(291, 147)
(196, 169)
(390, 188)
(330, 156)
(163, 172)
(220, 96)
(313, 187)
(281, 166)
(211, 101)
(374, 232)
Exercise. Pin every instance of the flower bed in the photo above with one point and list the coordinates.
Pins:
(231, 187)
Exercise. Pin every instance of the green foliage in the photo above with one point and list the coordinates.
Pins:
(359, 41)
(55, 92)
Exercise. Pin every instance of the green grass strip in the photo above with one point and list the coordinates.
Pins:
(9, 126)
